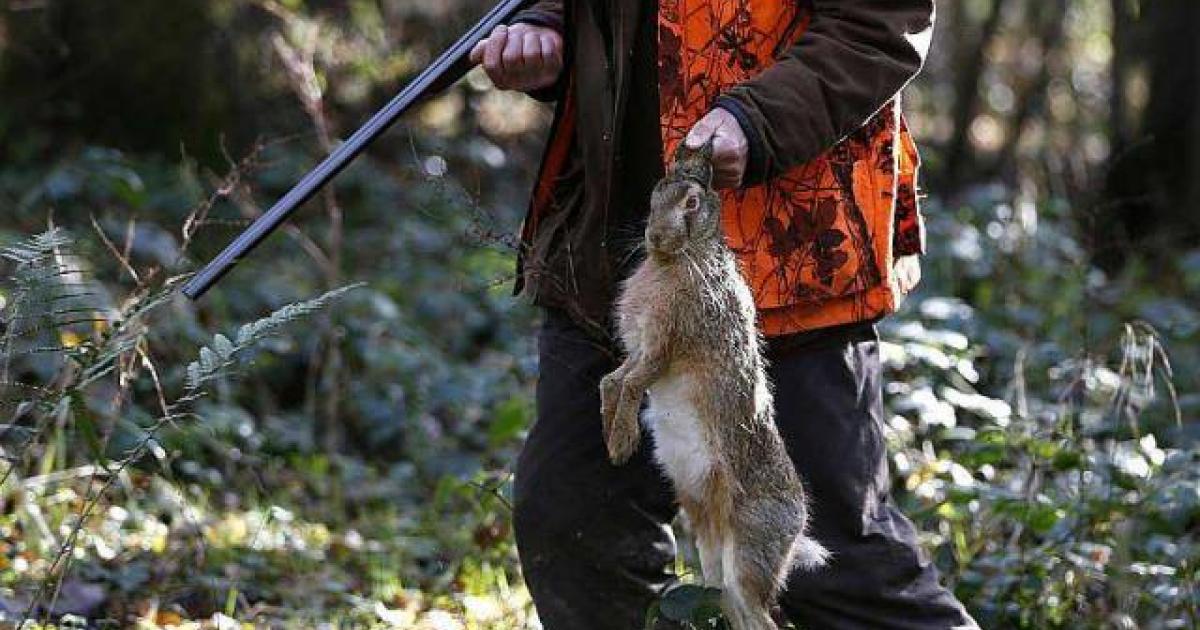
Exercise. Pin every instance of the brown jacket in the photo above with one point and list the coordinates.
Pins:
(850, 61)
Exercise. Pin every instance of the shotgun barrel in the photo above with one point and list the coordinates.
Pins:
(448, 68)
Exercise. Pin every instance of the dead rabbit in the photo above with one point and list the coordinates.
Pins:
(686, 320)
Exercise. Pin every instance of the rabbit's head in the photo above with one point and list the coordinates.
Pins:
(684, 210)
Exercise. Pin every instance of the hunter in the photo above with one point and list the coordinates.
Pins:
(818, 173)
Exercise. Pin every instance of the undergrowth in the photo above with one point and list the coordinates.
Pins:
(67, 350)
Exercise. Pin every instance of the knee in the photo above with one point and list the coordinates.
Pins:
(551, 522)
(537, 520)
(578, 529)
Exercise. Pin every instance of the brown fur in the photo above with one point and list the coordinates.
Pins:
(687, 322)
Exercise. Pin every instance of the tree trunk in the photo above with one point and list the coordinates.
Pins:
(966, 94)
(1052, 28)
(1152, 189)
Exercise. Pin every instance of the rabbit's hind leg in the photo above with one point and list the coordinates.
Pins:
(711, 562)
(748, 592)
(707, 519)
(709, 513)
(758, 556)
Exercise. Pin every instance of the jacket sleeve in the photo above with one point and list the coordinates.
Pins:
(854, 58)
(548, 13)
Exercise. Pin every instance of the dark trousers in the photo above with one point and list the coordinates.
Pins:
(595, 539)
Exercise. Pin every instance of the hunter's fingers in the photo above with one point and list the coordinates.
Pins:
(729, 162)
(700, 133)
(520, 57)
(728, 148)
(724, 149)
(492, 52)
(513, 58)
(552, 60)
(531, 56)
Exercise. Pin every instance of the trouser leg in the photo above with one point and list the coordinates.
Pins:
(594, 539)
(829, 411)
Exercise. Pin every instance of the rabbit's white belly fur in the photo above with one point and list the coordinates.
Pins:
(679, 442)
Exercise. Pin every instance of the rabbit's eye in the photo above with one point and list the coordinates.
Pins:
(692, 203)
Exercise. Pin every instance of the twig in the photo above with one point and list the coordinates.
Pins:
(229, 183)
(123, 259)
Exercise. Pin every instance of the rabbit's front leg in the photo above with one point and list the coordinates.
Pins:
(637, 374)
(621, 433)
(610, 394)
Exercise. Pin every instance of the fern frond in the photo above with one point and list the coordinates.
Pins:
(36, 247)
(218, 357)
(50, 321)
(48, 289)
(45, 269)
(104, 362)
(25, 352)
(66, 311)
(153, 299)
(44, 275)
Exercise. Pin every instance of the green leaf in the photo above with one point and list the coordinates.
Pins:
(245, 334)
(1043, 449)
(193, 375)
(994, 437)
(1043, 518)
(1067, 460)
(512, 416)
(949, 511)
(993, 455)
(224, 346)
(682, 603)
(209, 362)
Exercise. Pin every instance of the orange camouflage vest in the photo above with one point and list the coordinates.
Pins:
(818, 243)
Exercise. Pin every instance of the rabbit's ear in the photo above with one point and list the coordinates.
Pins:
(682, 152)
(701, 163)
(705, 151)
(694, 163)
(704, 159)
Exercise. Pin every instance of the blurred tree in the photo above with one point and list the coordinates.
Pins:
(968, 85)
(1154, 183)
(134, 74)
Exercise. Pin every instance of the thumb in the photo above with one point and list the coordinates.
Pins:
(477, 51)
(700, 133)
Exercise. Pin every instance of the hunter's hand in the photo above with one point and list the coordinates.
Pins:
(731, 150)
(521, 57)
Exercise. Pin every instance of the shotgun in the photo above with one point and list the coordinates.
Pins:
(443, 72)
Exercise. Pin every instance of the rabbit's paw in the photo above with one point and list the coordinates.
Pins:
(610, 394)
(610, 398)
(622, 431)
(622, 441)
